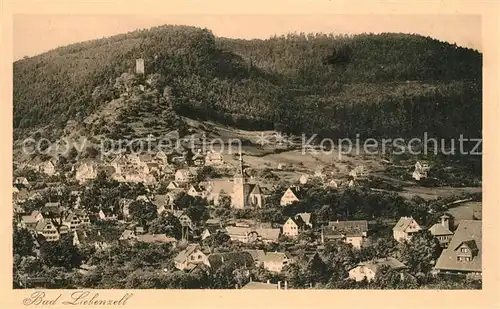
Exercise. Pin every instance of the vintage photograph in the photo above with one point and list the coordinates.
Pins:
(202, 152)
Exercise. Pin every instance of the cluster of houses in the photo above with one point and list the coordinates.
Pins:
(461, 248)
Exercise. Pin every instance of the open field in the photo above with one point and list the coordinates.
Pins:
(467, 211)
(435, 192)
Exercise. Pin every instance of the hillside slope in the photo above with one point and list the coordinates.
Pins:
(372, 85)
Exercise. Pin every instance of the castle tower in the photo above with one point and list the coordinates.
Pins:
(139, 66)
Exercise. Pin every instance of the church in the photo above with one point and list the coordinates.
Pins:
(243, 194)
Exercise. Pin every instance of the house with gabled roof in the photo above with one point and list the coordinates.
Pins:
(21, 195)
(71, 220)
(106, 215)
(184, 176)
(195, 190)
(48, 168)
(90, 238)
(191, 255)
(368, 270)
(161, 157)
(350, 232)
(235, 259)
(306, 217)
(157, 239)
(213, 159)
(251, 234)
(47, 229)
(128, 235)
(291, 195)
(208, 231)
(257, 255)
(52, 209)
(405, 228)
(86, 171)
(22, 181)
(184, 219)
(275, 261)
(421, 170)
(464, 252)
(173, 185)
(442, 231)
(30, 222)
(293, 226)
(161, 201)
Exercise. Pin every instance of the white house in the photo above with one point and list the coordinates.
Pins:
(183, 176)
(368, 270)
(189, 257)
(291, 195)
(405, 228)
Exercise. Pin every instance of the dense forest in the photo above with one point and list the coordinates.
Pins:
(335, 86)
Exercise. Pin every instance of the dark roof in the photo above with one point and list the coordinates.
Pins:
(470, 233)
(237, 259)
(256, 190)
(297, 191)
(389, 261)
(257, 255)
(349, 227)
(184, 254)
(439, 229)
(152, 238)
(403, 223)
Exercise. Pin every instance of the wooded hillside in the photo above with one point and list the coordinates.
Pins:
(336, 86)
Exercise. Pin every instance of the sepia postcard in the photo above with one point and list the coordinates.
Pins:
(180, 156)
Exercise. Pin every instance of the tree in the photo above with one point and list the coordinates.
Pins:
(23, 242)
(388, 278)
(166, 224)
(61, 254)
(224, 200)
(217, 240)
(197, 213)
(143, 212)
(421, 253)
(73, 154)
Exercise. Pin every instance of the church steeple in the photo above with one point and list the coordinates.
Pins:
(239, 178)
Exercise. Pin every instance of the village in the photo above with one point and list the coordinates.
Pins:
(212, 215)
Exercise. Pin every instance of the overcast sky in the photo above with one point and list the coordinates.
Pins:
(35, 34)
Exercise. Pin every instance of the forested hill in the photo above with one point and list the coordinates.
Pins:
(372, 85)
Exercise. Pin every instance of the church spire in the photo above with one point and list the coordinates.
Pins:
(239, 177)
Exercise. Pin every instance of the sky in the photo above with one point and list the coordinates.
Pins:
(35, 34)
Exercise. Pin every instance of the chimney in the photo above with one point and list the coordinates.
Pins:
(99, 233)
(322, 236)
(268, 281)
(279, 285)
(286, 285)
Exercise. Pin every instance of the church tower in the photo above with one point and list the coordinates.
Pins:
(239, 178)
(239, 186)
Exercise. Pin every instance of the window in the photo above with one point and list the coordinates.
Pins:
(459, 259)
(467, 259)
(199, 256)
(192, 257)
(463, 249)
